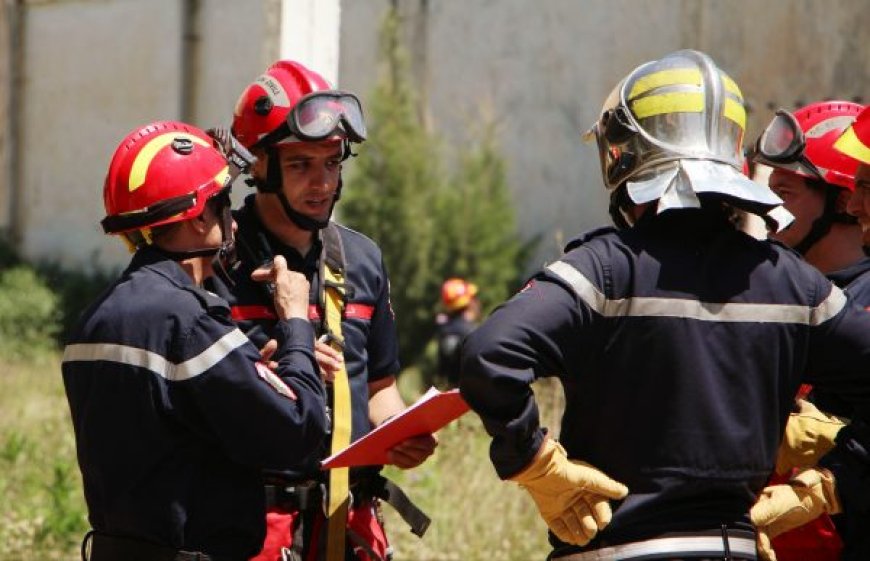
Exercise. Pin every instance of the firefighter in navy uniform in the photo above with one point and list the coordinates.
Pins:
(460, 317)
(815, 182)
(841, 481)
(301, 130)
(680, 341)
(170, 402)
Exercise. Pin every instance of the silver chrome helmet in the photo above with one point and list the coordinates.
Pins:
(673, 129)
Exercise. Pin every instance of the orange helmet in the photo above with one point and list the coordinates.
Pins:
(161, 173)
(457, 293)
(855, 141)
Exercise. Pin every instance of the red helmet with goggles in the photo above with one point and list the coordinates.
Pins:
(855, 141)
(161, 173)
(289, 103)
(803, 142)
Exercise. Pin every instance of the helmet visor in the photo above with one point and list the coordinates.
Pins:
(321, 115)
(783, 145)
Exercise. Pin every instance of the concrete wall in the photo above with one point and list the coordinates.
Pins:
(91, 70)
(543, 69)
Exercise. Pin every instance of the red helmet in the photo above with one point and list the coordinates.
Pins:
(457, 293)
(161, 173)
(803, 142)
(855, 142)
(266, 103)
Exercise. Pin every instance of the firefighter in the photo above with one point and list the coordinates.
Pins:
(841, 482)
(460, 317)
(680, 341)
(170, 402)
(815, 182)
(301, 130)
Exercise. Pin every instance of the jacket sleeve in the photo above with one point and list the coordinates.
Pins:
(536, 333)
(849, 461)
(261, 418)
(839, 349)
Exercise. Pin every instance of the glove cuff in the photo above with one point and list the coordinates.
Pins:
(550, 453)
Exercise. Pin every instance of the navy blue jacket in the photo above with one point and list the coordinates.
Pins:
(368, 326)
(173, 418)
(680, 344)
(850, 459)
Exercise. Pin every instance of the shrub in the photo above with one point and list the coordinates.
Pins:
(429, 225)
(30, 315)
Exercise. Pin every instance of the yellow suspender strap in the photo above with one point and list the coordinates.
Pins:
(339, 491)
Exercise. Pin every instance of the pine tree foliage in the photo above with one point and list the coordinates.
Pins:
(429, 225)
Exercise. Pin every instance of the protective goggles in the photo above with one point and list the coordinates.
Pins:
(782, 145)
(322, 115)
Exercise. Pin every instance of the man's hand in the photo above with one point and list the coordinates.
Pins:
(329, 360)
(291, 288)
(572, 497)
(781, 508)
(266, 352)
(809, 435)
(413, 451)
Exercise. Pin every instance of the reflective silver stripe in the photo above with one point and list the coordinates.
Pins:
(711, 546)
(142, 358)
(694, 309)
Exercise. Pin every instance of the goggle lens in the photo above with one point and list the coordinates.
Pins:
(781, 140)
(320, 115)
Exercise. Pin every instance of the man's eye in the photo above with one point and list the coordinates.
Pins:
(296, 166)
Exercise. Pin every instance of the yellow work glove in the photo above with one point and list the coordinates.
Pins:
(809, 435)
(572, 497)
(780, 508)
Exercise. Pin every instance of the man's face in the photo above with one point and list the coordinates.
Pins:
(804, 202)
(859, 202)
(309, 173)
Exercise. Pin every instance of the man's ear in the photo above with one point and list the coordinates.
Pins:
(258, 170)
(199, 223)
(842, 201)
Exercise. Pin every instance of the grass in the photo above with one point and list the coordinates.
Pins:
(43, 515)
(475, 516)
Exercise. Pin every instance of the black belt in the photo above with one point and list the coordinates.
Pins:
(103, 547)
(310, 496)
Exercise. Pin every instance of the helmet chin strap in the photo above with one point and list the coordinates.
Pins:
(273, 185)
(224, 258)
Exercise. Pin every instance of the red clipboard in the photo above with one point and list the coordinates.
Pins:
(427, 415)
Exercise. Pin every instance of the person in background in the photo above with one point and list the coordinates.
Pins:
(461, 315)
(175, 414)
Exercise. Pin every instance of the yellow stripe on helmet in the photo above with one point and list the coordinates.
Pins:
(735, 111)
(143, 159)
(674, 102)
(731, 86)
(850, 145)
(675, 77)
(222, 176)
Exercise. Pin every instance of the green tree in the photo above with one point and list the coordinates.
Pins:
(430, 225)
